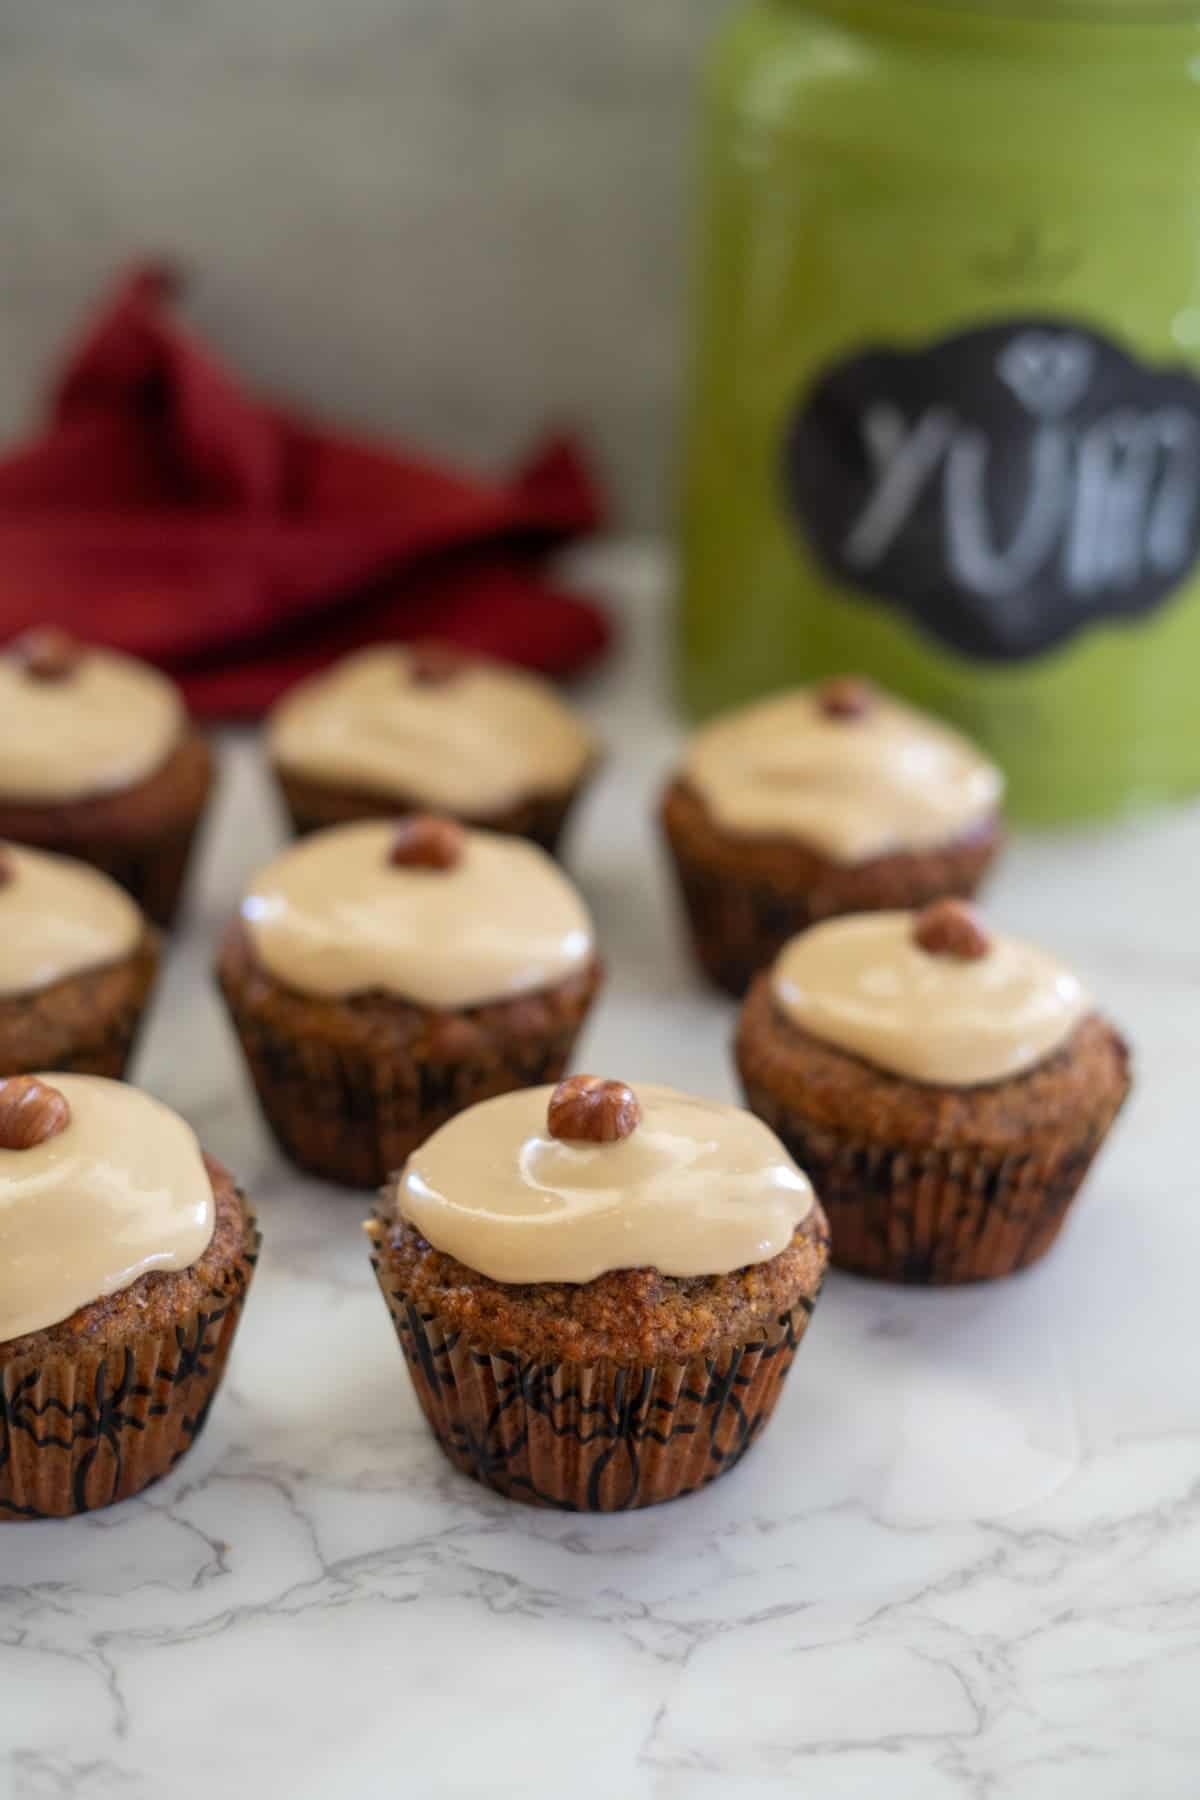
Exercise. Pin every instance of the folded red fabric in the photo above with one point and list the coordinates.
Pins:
(167, 512)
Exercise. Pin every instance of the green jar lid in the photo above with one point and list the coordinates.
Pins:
(906, 14)
(1131, 12)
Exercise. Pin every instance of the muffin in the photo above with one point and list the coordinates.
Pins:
(98, 760)
(820, 801)
(946, 1088)
(383, 975)
(426, 727)
(598, 1293)
(77, 963)
(125, 1256)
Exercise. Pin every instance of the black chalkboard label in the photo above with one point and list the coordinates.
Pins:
(1006, 487)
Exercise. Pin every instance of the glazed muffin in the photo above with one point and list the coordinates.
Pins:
(384, 975)
(77, 964)
(816, 802)
(427, 727)
(98, 760)
(598, 1293)
(946, 1087)
(125, 1257)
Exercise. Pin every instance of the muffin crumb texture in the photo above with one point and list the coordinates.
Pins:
(746, 896)
(626, 1392)
(85, 1024)
(351, 1085)
(96, 1407)
(628, 1316)
(932, 1184)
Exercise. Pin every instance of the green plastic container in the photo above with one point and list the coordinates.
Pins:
(944, 414)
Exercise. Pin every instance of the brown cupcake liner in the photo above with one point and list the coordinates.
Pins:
(141, 836)
(352, 1113)
(736, 928)
(592, 1437)
(152, 869)
(745, 898)
(108, 1055)
(81, 1430)
(311, 806)
(87, 1024)
(936, 1217)
(739, 926)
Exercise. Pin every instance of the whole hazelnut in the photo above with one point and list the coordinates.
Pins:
(45, 653)
(31, 1112)
(586, 1109)
(427, 842)
(434, 664)
(846, 697)
(951, 928)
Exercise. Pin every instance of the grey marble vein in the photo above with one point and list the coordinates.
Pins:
(963, 1565)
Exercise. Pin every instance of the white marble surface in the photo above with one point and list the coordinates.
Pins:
(964, 1561)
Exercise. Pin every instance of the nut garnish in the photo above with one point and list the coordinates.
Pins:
(434, 664)
(846, 697)
(951, 928)
(587, 1109)
(46, 653)
(427, 842)
(31, 1112)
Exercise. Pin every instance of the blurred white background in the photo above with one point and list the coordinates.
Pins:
(455, 220)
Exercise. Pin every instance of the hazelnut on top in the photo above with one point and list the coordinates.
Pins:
(432, 726)
(844, 769)
(59, 918)
(99, 1184)
(419, 908)
(932, 996)
(567, 1183)
(76, 721)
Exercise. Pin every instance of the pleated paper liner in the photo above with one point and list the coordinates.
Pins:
(592, 1437)
(108, 1055)
(313, 805)
(102, 1046)
(739, 920)
(936, 1217)
(81, 1431)
(152, 869)
(353, 1113)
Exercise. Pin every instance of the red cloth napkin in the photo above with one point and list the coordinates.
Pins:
(167, 512)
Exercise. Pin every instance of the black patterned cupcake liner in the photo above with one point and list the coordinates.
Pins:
(353, 1113)
(936, 1217)
(81, 1430)
(104, 1047)
(311, 807)
(739, 924)
(151, 869)
(109, 1055)
(592, 1437)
